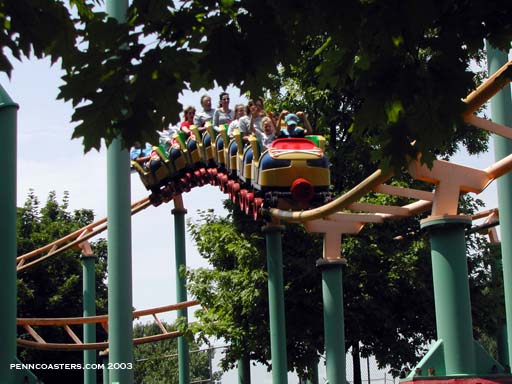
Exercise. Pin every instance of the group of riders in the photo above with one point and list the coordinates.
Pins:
(247, 119)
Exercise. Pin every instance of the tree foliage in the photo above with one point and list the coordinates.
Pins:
(234, 295)
(385, 261)
(406, 63)
(53, 288)
(157, 362)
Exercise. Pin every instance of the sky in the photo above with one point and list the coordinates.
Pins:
(48, 160)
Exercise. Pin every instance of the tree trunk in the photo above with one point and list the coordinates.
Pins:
(356, 364)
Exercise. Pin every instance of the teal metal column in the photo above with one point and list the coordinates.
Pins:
(181, 290)
(119, 264)
(8, 121)
(104, 360)
(244, 370)
(89, 304)
(276, 303)
(451, 292)
(497, 282)
(502, 347)
(501, 112)
(119, 247)
(334, 322)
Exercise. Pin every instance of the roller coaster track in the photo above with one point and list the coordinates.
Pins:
(349, 201)
(473, 101)
(66, 323)
(72, 240)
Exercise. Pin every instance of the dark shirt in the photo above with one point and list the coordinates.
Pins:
(297, 132)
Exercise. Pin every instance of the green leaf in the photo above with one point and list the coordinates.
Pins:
(394, 110)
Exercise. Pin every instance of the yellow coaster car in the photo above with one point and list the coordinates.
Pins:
(293, 168)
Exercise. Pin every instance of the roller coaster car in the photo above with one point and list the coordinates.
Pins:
(161, 173)
(244, 159)
(194, 173)
(191, 146)
(162, 169)
(296, 170)
(231, 153)
(220, 141)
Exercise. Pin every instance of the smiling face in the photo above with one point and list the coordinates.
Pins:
(189, 114)
(206, 102)
(224, 100)
(239, 111)
(267, 126)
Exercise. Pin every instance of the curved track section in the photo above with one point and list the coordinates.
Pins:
(460, 179)
(72, 240)
(77, 345)
(473, 101)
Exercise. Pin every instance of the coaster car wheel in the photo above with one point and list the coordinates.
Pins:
(249, 200)
(241, 199)
(235, 189)
(155, 199)
(229, 187)
(258, 202)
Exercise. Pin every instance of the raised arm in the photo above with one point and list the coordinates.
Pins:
(281, 117)
(307, 125)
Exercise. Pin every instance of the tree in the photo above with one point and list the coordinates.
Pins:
(378, 321)
(234, 293)
(385, 263)
(406, 63)
(53, 288)
(157, 362)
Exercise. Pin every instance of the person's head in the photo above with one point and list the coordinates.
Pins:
(206, 102)
(259, 104)
(267, 125)
(189, 113)
(224, 100)
(250, 108)
(291, 120)
(239, 111)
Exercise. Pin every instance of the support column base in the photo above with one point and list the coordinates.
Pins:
(24, 375)
(431, 368)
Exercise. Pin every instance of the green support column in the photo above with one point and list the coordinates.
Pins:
(244, 370)
(501, 112)
(181, 291)
(104, 360)
(502, 347)
(89, 304)
(120, 320)
(497, 283)
(451, 293)
(119, 247)
(334, 322)
(276, 303)
(8, 115)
